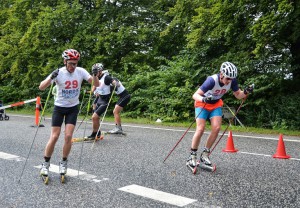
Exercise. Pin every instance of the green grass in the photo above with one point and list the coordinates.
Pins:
(186, 124)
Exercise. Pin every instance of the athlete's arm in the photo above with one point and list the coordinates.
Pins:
(237, 92)
(45, 83)
(94, 79)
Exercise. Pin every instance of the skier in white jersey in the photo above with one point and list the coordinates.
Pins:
(209, 104)
(103, 94)
(68, 80)
(124, 98)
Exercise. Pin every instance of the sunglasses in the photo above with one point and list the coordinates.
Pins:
(72, 64)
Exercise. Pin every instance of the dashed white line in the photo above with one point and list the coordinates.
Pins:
(7, 156)
(75, 173)
(55, 169)
(158, 195)
(182, 130)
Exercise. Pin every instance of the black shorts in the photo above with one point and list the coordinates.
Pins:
(62, 113)
(124, 99)
(102, 104)
(96, 100)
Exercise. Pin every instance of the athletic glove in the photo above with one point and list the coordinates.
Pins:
(94, 70)
(249, 89)
(54, 74)
(207, 99)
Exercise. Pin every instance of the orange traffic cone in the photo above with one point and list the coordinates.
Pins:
(37, 113)
(230, 145)
(280, 153)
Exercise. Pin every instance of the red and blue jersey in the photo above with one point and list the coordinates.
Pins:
(213, 87)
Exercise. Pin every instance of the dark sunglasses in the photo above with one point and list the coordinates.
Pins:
(72, 64)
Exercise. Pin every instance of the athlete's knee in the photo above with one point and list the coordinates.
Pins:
(53, 138)
(199, 130)
(95, 117)
(117, 110)
(68, 138)
(215, 128)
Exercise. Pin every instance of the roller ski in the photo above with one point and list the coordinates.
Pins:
(44, 172)
(205, 162)
(117, 130)
(192, 162)
(90, 138)
(63, 165)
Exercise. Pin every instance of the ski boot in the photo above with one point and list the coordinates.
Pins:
(45, 171)
(192, 163)
(117, 130)
(205, 162)
(63, 165)
(93, 136)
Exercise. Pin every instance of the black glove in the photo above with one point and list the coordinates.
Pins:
(54, 74)
(207, 99)
(94, 70)
(249, 89)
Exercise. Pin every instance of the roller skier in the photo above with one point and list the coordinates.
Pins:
(103, 95)
(68, 80)
(208, 105)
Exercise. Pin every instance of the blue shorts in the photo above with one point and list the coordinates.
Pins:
(205, 114)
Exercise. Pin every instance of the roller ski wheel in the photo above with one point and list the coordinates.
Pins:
(62, 178)
(192, 168)
(210, 168)
(87, 139)
(45, 179)
(121, 133)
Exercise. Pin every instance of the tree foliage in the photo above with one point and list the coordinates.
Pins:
(162, 51)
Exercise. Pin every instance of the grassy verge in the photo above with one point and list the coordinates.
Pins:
(178, 124)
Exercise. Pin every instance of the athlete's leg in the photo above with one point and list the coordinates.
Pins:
(216, 121)
(69, 129)
(55, 131)
(117, 110)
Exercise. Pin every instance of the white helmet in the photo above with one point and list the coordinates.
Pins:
(98, 66)
(228, 70)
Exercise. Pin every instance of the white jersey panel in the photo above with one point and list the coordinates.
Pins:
(217, 91)
(103, 89)
(69, 85)
(120, 89)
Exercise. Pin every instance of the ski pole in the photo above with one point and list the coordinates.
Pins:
(235, 116)
(184, 133)
(228, 126)
(87, 112)
(80, 109)
(36, 132)
(84, 115)
(104, 114)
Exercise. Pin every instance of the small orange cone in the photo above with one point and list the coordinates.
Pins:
(230, 145)
(37, 113)
(280, 153)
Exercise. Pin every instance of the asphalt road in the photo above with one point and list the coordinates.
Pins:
(128, 171)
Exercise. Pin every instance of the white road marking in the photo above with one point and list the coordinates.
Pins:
(7, 156)
(182, 130)
(257, 154)
(55, 169)
(158, 195)
(75, 173)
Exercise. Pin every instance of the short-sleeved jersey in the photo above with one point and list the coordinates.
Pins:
(69, 85)
(213, 87)
(104, 87)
